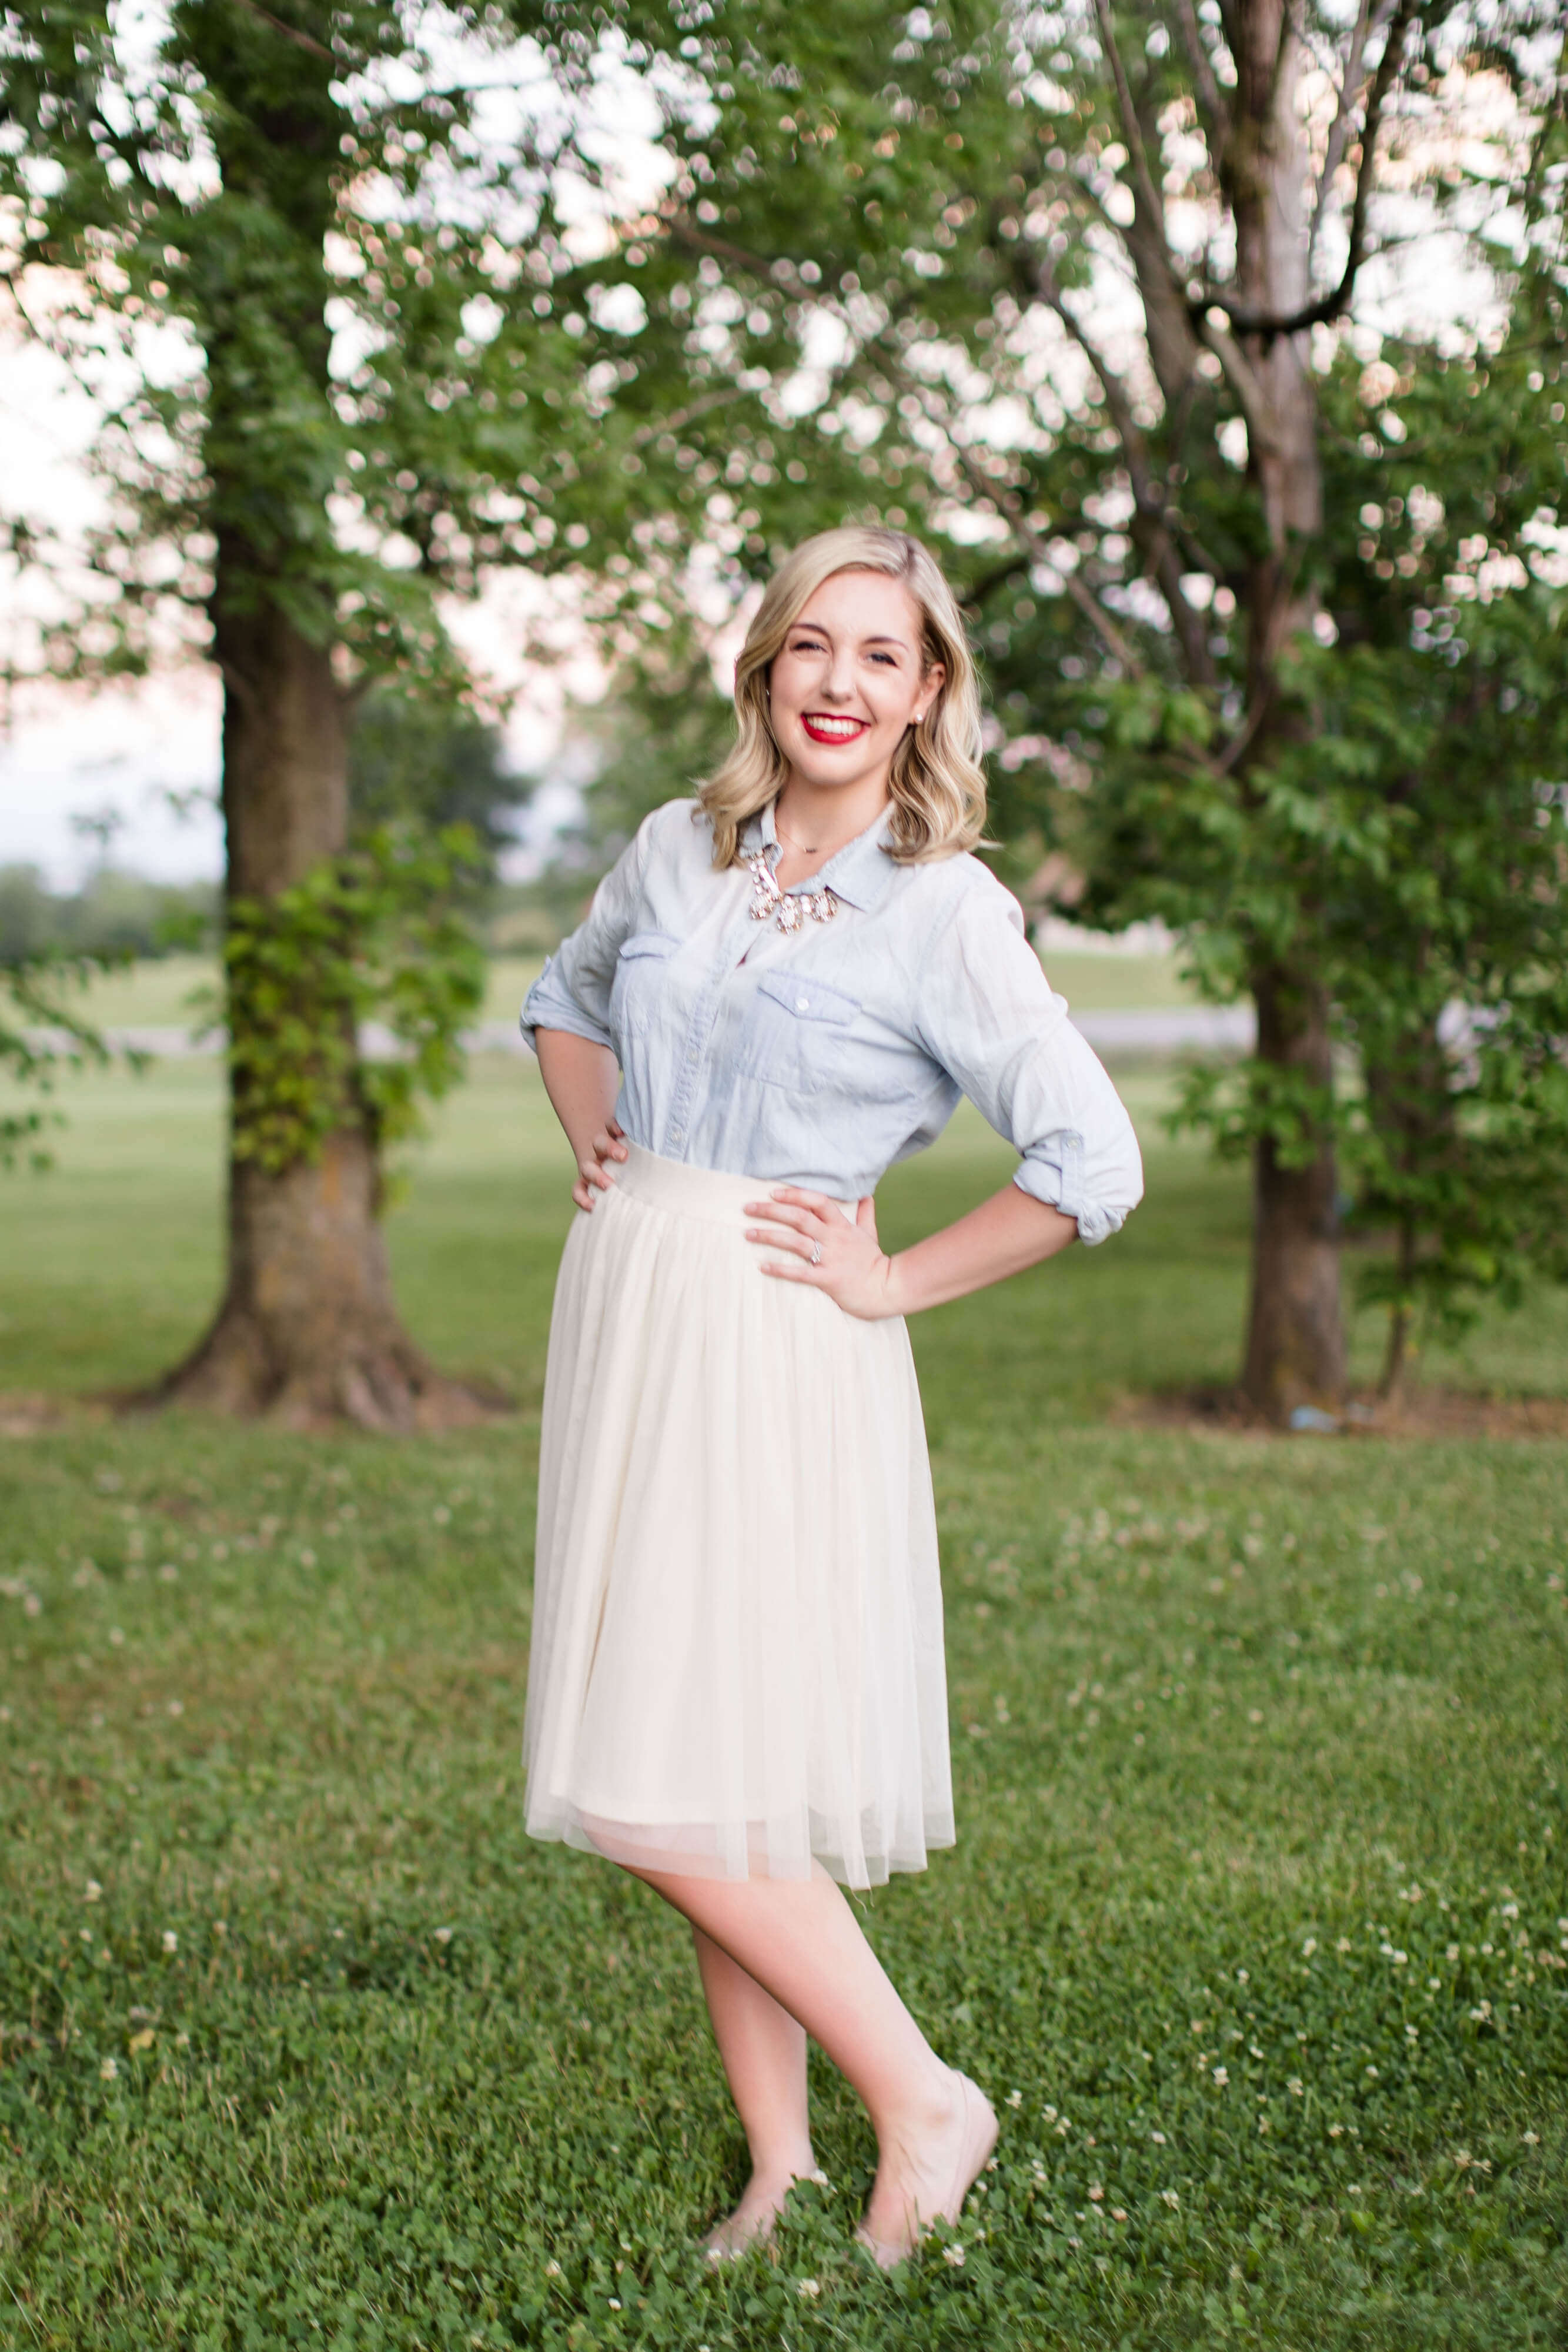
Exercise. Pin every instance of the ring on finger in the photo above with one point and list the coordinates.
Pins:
(816, 1253)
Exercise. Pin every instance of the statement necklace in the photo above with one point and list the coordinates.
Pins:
(791, 908)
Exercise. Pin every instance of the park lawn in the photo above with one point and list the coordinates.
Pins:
(158, 993)
(1255, 1929)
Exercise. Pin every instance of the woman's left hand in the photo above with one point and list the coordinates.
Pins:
(825, 1251)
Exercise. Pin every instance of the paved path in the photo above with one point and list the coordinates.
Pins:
(1172, 1029)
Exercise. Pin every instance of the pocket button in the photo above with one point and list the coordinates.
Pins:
(802, 1004)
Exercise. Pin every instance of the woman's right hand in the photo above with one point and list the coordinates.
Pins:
(592, 1172)
(583, 1082)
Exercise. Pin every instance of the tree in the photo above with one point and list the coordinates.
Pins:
(1080, 272)
(1448, 933)
(308, 281)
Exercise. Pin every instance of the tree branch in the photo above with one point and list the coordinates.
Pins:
(1369, 20)
(1036, 548)
(1151, 529)
(1206, 90)
(1131, 127)
(300, 40)
(1336, 301)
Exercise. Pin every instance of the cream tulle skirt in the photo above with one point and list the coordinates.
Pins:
(736, 1661)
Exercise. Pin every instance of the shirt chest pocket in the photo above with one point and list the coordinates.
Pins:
(640, 981)
(797, 1033)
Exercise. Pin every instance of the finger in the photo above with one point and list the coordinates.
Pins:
(801, 1220)
(616, 1126)
(865, 1214)
(771, 1238)
(592, 1174)
(798, 1197)
(792, 1270)
(581, 1195)
(607, 1145)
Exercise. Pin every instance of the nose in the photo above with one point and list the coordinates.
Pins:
(839, 686)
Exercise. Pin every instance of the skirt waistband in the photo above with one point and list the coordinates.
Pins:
(711, 1194)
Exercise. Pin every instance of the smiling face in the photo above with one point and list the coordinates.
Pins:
(850, 679)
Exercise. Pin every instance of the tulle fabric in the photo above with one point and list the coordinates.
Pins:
(737, 1662)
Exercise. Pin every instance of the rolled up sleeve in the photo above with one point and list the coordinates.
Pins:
(989, 1014)
(572, 993)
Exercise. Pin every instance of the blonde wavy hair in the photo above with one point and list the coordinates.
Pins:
(937, 785)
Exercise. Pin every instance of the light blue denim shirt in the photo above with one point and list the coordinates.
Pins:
(819, 1056)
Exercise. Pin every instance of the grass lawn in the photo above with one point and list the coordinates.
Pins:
(1257, 1930)
(157, 994)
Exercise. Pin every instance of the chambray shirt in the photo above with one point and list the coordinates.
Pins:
(819, 1056)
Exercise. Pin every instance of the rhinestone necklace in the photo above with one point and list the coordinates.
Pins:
(791, 908)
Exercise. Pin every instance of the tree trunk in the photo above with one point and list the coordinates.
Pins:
(1295, 1338)
(308, 1332)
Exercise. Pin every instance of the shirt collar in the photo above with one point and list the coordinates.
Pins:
(861, 873)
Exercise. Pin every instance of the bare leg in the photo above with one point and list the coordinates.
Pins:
(800, 1941)
(764, 2053)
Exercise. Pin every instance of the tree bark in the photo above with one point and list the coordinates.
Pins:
(1295, 1336)
(1295, 1340)
(308, 1332)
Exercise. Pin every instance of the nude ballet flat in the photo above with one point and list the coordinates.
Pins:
(977, 2139)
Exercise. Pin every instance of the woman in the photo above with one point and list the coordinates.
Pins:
(736, 1687)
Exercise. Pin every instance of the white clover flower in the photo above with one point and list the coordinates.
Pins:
(1294, 2086)
(954, 2254)
(171, 1941)
(93, 1892)
(1015, 2098)
(110, 2070)
(1118, 2213)
(444, 1935)
(809, 2288)
(1096, 2193)
(1309, 1948)
(1158, 2138)
(1169, 2197)
(552, 2270)
(1222, 2075)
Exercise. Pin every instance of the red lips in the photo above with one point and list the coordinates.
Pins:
(833, 732)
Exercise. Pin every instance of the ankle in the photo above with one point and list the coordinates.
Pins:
(778, 2166)
(923, 2107)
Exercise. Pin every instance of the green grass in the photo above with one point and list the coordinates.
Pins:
(157, 994)
(1260, 1766)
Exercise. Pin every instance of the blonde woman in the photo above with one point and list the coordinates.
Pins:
(736, 1687)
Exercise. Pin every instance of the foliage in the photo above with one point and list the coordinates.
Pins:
(43, 1034)
(431, 764)
(114, 913)
(377, 934)
(661, 726)
(1202, 1693)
